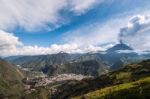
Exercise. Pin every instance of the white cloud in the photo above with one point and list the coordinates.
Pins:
(137, 32)
(55, 48)
(91, 38)
(8, 39)
(80, 6)
(10, 45)
(105, 35)
(97, 34)
(34, 15)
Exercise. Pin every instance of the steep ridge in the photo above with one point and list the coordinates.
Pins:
(87, 64)
(10, 80)
(9, 71)
(39, 61)
(88, 67)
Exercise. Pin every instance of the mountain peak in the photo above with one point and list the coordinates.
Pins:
(120, 46)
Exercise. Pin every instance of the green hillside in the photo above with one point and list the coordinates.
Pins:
(38, 93)
(127, 76)
(131, 81)
(12, 87)
(10, 80)
(137, 90)
(131, 88)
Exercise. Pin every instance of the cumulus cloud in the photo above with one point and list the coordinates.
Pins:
(137, 32)
(34, 15)
(10, 45)
(8, 39)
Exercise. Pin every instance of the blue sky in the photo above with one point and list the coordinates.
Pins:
(100, 13)
(88, 24)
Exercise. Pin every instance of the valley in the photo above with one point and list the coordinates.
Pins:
(65, 76)
(74, 49)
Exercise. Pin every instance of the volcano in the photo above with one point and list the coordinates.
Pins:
(114, 58)
(120, 46)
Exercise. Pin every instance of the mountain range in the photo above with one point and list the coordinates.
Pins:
(115, 74)
(93, 64)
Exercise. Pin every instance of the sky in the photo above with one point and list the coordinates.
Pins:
(35, 27)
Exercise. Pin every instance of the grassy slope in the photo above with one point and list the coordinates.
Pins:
(11, 86)
(10, 80)
(38, 93)
(137, 90)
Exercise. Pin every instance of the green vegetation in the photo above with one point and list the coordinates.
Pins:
(63, 63)
(138, 90)
(10, 81)
(11, 86)
(126, 76)
(131, 81)
(89, 67)
(39, 93)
